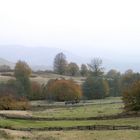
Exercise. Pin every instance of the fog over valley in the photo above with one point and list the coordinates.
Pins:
(42, 57)
(82, 30)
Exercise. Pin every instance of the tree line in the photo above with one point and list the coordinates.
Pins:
(62, 67)
(97, 85)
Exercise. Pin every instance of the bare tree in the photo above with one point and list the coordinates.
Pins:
(84, 70)
(95, 67)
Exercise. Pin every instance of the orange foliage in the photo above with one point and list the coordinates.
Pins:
(63, 90)
(36, 91)
(12, 103)
(131, 97)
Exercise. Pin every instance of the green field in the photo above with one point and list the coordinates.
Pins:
(15, 123)
(109, 106)
(93, 108)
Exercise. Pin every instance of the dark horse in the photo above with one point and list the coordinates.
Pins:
(72, 102)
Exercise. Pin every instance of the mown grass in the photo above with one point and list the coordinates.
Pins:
(41, 124)
(110, 106)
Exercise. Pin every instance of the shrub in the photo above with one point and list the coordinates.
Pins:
(12, 103)
(131, 97)
(36, 91)
(63, 90)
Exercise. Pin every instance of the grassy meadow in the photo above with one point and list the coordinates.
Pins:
(15, 123)
(108, 106)
(85, 109)
(94, 108)
(43, 78)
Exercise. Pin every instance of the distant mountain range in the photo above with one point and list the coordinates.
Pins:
(39, 58)
(6, 62)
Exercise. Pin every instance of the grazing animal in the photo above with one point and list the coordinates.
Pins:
(72, 102)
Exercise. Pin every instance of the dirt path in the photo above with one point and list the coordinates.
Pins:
(16, 113)
(16, 133)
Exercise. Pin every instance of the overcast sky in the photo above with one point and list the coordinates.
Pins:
(105, 27)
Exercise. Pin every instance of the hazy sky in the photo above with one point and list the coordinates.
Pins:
(105, 27)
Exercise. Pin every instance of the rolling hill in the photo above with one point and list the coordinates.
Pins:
(6, 62)
(39, 58)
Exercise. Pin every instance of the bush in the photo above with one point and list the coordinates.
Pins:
(63, 90)
(131, 97)
(36, 92)
(12, 103)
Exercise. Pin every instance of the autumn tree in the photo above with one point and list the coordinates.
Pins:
(73, 69)
(115, 82)
(36, 91)
(9, 98)
(84, 70)
(10, 102)
(131, 97)
(60, 64)
(63, 90)
(22, 73)
(128, 78)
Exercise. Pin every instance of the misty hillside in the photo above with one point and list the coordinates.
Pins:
(37, 57)
(41, 58)
(6, 62)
